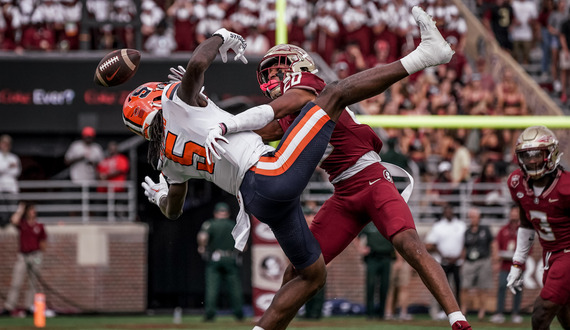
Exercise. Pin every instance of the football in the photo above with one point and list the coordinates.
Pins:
(117, 67)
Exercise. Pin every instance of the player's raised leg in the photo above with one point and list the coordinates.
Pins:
(432, 50)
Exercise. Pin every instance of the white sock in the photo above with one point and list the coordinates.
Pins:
(456, 316)
(257, 328)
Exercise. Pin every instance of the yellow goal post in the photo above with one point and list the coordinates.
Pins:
(455, 122)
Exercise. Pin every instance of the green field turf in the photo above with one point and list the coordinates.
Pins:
(109, 322)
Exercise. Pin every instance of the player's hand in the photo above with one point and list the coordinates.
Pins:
(515, 280)
(213, 148)
(234, 42)
(176, 74)
(461, 325)
(155, 191)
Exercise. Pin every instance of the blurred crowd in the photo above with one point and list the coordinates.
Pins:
(322, 26)
(442, 92)
(524, 26)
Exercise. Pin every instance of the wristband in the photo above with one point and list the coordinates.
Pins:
(224, 128)
(517, 264)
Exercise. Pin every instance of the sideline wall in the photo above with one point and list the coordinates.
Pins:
(103, 268)
(88, 268)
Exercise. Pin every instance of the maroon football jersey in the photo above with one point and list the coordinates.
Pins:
(350, 139)
(549, 212)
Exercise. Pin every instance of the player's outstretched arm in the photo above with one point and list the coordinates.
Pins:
(173, 204)
(253, 119)
(203, 56)
(200, 61)
(271, 132)
(170, 200)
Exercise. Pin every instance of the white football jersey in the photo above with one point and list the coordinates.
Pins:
(183, 155)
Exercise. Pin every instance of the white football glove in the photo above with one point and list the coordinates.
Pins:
(155, 191)
(234, 42)
(213, 148)
(176, 74)
(515, 280)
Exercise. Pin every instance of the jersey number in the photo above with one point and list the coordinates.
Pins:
(292, 80)
(545, 231)
(504, 17)
(193, 154)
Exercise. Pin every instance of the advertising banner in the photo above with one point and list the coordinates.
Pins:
(268, 264)
(49, 93)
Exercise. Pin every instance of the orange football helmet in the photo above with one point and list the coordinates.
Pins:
(140, 107)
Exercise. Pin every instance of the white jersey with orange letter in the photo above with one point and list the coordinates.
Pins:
(183, 156)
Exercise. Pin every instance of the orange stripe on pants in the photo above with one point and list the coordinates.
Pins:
(315, 129)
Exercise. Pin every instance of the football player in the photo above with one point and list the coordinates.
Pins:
(540, 189)
(267, 182)
(363, 186)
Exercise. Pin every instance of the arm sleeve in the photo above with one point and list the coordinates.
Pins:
(525, 238)
(251, 119)
(504, 254)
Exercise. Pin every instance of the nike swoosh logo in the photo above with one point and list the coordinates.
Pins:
(373, 182)
(113, 75)
(550, 200)
(566, 250)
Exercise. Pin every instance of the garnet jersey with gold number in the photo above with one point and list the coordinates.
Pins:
(549, 212)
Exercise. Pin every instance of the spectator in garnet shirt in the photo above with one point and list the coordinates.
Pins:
(114, 167)
(29, 261)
